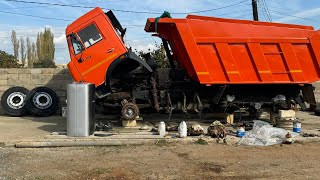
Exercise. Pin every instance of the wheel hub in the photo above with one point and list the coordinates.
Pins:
(16, 100)
(42, 100)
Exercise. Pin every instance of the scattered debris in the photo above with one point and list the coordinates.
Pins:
(264, 134)
(195, 130)
(310, 135)
(288, 139)
(101, 126)
(172, 127)
(217, 130)
(144, 127)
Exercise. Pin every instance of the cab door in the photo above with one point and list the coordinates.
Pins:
(97, 44)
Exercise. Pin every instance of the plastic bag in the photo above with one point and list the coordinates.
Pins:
(264, 134)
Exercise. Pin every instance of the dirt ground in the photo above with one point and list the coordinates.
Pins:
(160, 159)
(163, 161)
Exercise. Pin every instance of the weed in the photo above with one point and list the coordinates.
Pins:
(201, 141)
(162, 142)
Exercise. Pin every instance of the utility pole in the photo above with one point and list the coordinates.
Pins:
(255, 10)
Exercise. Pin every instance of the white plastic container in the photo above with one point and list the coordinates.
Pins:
(162, 129)
(182, 129)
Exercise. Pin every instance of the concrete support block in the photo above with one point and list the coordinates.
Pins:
(3, 71)
(132, 123)
(47, 71)
(36, 71)
(41, 79)
(13, 71)
(3, 76)
(4, 88)
(24, 79)
(13, 79)
(287, 114)
(3, 82)
(57, 71)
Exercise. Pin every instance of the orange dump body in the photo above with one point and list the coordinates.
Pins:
(228, 51)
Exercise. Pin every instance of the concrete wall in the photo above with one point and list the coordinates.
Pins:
(54, 78)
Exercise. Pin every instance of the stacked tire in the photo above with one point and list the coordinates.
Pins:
(40, 101)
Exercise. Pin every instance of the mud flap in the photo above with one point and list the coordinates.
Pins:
(308, 96)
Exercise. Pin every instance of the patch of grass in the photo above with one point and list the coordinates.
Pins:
(201, 142)
(162, 142)
(101, 171)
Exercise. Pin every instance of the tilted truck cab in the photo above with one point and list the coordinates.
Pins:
(96, 49)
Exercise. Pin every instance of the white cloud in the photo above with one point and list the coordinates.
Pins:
(60, 40)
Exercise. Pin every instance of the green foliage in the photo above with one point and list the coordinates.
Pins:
(15, 44)
(158, 55)
(7, 60)
(45, 49)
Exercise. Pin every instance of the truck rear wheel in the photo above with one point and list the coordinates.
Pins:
(42, 101)
(13, 101)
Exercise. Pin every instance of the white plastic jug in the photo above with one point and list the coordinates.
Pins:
(182, 129)
(162, 129)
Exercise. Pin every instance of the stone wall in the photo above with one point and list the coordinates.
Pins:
(54, 78)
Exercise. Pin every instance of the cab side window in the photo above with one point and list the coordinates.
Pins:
(90, 35)
(76, 46)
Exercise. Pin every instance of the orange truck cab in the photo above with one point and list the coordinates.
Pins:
(96, 47)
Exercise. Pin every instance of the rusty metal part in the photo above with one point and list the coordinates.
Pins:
(118, 95)
(155, 94)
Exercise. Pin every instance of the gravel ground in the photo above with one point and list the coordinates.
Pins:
(163, 161)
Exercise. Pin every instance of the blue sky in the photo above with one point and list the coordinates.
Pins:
(16, 16)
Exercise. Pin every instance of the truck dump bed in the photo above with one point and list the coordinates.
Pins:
(227, 51)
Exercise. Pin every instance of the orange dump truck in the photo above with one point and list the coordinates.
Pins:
(215, 64)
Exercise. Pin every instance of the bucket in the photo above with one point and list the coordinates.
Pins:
(182, 129)
(162, 129)
(296, 126)
(241, 132)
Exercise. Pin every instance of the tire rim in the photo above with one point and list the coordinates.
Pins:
(42, 100)
(129, 113)
(16, 100)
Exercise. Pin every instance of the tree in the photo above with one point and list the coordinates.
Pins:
(15, 43)
(29, 53)
(22, 51)
(158, 55)
(7, 60)
(45, 49)
(34, 52)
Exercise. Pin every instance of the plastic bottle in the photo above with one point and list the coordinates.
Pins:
(182, 129)
(241, 132)
(162, 129)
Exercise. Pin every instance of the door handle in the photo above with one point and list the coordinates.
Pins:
(110, 50)
(86, 58)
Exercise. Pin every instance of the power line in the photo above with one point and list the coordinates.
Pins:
(295, 16)
(121, 10)
(34, 16)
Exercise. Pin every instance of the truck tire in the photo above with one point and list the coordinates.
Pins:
(13, 101)
(130, 111)
(42, 101)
